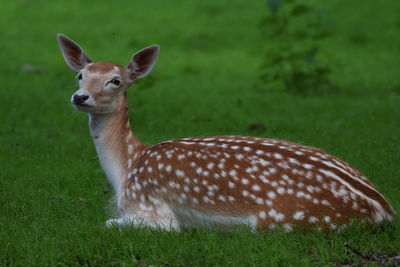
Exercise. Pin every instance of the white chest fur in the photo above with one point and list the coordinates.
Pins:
(109, 159)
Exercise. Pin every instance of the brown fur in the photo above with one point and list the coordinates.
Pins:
(102, 67)
(339, 210)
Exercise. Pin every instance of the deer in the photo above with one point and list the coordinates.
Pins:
(216, 181)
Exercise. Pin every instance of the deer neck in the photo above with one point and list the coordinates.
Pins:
(115, 145)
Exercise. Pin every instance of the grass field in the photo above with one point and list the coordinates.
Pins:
(54, 196)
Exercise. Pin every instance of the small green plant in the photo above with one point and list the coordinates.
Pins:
(293, 31)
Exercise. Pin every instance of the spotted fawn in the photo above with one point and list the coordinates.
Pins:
(220, 181)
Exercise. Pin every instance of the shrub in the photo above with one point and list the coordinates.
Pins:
(293, 31)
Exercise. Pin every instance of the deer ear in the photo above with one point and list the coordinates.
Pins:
(73, 54)
(142, 62)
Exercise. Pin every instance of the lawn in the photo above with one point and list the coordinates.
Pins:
(54, 196)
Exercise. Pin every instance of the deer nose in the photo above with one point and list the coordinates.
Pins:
(79, 99)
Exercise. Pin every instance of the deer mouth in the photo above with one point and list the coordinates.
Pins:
(81, 105)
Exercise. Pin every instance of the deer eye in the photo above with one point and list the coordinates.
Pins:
(116, 81)
(80, 76)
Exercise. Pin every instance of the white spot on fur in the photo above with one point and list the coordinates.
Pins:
(179, 173)
(281, 190)
(271, 194)
(299, 215)
(168, 168)
(256, 187)
(262, 215)
(276, 215)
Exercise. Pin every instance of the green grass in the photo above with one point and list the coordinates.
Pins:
(54, 197)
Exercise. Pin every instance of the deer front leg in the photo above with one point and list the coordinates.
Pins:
(123, 221)
(126, 221)
(147, 215)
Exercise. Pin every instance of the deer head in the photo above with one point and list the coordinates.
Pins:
(102, 85)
